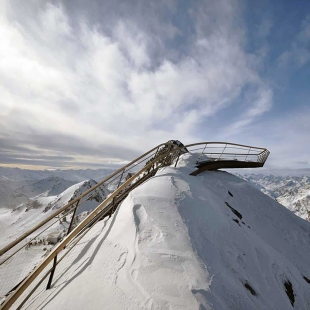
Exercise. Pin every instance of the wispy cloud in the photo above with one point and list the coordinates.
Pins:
(71, 82)
(298, 53)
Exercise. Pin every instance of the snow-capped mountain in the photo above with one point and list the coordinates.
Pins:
(12, 193)
(8, 197)
(51, 186)
(18, 185)
(183, 242)
(291, 191)
(76, 190)
(34, 210)
(16, 174)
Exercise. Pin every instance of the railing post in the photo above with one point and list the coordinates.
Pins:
(202, 152)
(223, 151)
(153, 166)
(258, 158)
(120, 179)
(247, 154)
(177, 159)
(49, 284)
(156, 152)
(73, 216)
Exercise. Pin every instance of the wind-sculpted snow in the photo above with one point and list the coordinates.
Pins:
(184, 242)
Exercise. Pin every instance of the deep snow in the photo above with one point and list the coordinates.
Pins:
(184, 242)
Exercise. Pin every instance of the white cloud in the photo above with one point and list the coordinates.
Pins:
(71, 77)
(259, 102)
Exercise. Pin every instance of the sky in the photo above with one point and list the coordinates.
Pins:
(90, 84)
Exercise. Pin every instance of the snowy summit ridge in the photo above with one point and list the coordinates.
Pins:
(184, 242)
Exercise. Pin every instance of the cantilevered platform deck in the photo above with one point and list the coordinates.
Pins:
(228, 164)
(224, 155)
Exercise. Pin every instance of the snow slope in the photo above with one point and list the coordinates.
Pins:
(184, 242)
(7, 196)
(76, 190)
(12, 193)
(13, 224)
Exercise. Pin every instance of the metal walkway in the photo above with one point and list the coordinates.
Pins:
(210, 156)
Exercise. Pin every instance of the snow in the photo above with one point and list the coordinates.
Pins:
(293, 192)
(51, 186)
(184, 242)
(13, 224)
(13, 193)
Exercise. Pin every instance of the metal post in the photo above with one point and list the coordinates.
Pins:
(156, 152)
(177, 159)
(113, 207)
(73, 216)
(247, 154)
(223, 151)
(120, 179)
(202, 152)
(258, 158)
(153, 166)
(49, 284)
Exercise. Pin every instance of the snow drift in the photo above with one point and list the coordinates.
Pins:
(184, 242)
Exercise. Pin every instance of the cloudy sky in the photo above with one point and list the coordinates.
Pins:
(98, 82)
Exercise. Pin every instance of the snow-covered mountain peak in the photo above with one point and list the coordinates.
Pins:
(97, 196)
(50, 186)
(183, 242)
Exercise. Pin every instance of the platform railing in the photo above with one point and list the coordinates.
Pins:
(223, 151)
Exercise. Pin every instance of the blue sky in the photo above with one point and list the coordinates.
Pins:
(96, 83)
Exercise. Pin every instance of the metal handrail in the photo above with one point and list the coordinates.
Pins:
(29, 232)
(23, 286)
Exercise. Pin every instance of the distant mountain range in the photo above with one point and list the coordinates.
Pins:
(18, 185)
(16, 174)
(291, 191)
(50, 198)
